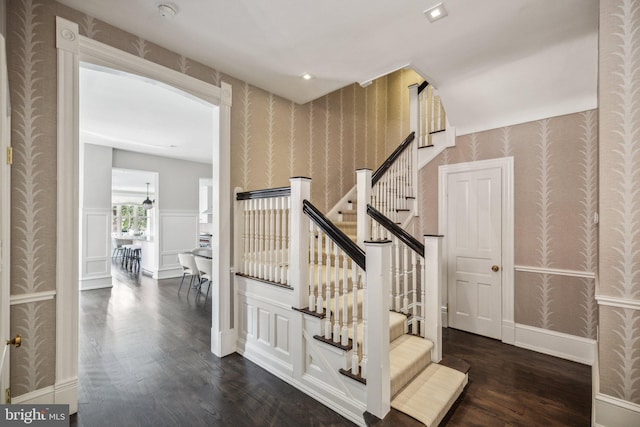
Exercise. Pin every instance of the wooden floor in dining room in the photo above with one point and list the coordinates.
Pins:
(145, 360)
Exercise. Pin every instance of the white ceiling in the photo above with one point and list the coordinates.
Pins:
(132, 113)
(270, 44)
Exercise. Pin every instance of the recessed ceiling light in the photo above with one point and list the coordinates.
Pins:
(307, 76)
(167, 10)
(436, 12)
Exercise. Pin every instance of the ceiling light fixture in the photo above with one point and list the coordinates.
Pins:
(167, 10)
(306, 76)
(436, 12)
(147, 203)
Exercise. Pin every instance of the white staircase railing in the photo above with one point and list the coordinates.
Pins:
(427, 113)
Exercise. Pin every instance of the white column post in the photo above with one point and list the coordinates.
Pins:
(299, 246)
(376, 310)
(238, 233)
(66, 382)
(432, 284)
(363, 189)
(414, 109)
(223, 337)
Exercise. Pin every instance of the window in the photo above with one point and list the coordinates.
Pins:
(130, 219)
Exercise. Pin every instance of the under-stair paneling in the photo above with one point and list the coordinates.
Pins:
(265, 320)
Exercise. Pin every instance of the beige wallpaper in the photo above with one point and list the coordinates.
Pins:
(619, 97)
(555, 167)
(272, 139)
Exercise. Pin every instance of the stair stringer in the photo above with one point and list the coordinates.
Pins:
(350, 195)
(441, 141)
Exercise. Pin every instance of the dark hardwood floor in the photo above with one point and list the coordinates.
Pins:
(145, 360)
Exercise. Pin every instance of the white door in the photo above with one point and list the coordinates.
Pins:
(474, 241)
(5, 216)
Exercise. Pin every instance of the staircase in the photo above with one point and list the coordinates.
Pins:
(320, 328)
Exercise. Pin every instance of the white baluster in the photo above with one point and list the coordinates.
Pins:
(277, 239)
(270, 239)
(314, 267)
(398, 274)
(336, 293)
(327, 280)
(247, 237)
(414, 286)
(344, 333)
(252, 238)
(320, 303)
(355, 362)
(365, 327)
(405, 278)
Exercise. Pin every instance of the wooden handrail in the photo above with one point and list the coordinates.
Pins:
(339, 238)
(264, 194)
(422, 86)
(396, 230)
(392, 158)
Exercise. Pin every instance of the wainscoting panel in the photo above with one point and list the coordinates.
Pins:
(95, 262)
(178, 233)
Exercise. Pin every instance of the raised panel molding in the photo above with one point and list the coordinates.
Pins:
(95, 262)
(178, 233)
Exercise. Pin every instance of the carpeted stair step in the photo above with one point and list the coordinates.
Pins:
(409, 356)
(398, 326)
(430, 395)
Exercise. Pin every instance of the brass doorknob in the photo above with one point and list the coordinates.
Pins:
(17, 341)
(495, 268)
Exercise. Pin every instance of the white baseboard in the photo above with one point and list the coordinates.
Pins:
(168, 273)
(445, 316)
(508, 332)
(43, 396)
(226, 342)
(91, 283)
(558, 344)
(66, 393)
(613, 412)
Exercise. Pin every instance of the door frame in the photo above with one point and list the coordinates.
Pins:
(5, 215)
(72, 48)
(505, 164)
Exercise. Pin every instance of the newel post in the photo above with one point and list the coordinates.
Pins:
(299, 242)
(432, 298)
(363, 188)
(376, 311)
(238, 233)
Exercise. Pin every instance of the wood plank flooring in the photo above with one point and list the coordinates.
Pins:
(145, 360)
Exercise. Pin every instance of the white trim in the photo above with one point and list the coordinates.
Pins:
(71, 48)
(618, 302)
(32, 297)
(67, 218)
(614, 412)
(167, 273)
(339, 206)
(5, 203)
(508, 287)
(558, 344)
(556, 272)
(41, 396)
(66, 393)
(93, 283)
(107, 56)
(445, 314)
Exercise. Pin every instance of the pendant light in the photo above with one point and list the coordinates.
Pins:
(147, 204)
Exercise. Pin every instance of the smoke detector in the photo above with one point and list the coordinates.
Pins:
(167, 10)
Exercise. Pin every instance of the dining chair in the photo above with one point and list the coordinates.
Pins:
(188, 263)
(205, 267)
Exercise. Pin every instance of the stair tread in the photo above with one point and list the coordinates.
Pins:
(409, 355)
(430, 395)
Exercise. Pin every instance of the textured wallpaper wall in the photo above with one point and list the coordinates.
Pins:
(619, 96)
(555, 167)
(271, 140)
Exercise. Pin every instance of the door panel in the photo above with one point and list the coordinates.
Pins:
(474, 236)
